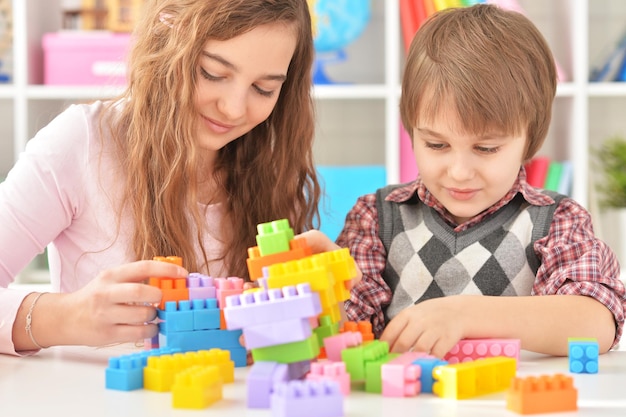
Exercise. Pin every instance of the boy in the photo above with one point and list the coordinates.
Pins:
(470, 250)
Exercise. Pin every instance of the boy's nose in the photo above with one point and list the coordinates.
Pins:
(460, 168)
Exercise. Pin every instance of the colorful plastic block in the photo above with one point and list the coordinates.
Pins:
(471, 349)
(160, 371)
(373, 372)
(207, 339)
(176, 260)
(196, 387)
(256, 263)
(336, 343)
(176, 317)
(472, 379)
(334, 371)
(400, 377)
(583, 355)
(305, 271)
(227, 287)
(325, 328)
(271, 306)
(261, 380)
(289, 352)
(173, 289)
(355, 358)
(200, 286)
(125, 373)
(342, 266)
(363, 327)
(274, 237)
(544, 394)
(278, 333)
(206, 314)
(427, 363)
(307, 399)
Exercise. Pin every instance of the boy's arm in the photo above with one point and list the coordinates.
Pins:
(575, 262)
(542, 323)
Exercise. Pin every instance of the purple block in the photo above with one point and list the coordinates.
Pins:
(277, 333)
(271, 306)
(260, 382)
(200, 286)
(307, 399)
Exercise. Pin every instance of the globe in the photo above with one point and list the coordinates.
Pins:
(336, 24)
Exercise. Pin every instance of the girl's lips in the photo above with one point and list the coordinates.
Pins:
(215, 126)
(462, 194)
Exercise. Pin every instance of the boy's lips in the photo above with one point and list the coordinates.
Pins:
(462, 194)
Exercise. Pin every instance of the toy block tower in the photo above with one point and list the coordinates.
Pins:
(190, 313)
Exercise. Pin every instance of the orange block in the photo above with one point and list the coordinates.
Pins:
(363, 327)
(298, 249)
(543, 394)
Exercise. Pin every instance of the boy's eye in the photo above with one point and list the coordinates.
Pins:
(435, 146)
(488, 150)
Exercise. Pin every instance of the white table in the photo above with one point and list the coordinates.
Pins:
(69, 381)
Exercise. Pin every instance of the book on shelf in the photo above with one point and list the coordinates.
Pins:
(613, 65)
(545, 173)
(414, 12)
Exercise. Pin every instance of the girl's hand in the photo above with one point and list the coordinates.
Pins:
(117, 306)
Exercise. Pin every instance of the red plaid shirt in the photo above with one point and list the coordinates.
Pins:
(573, 260)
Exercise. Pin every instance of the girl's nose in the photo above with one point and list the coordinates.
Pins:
(232, 105)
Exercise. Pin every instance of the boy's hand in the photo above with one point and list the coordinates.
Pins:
(433, 326)
(319, 242)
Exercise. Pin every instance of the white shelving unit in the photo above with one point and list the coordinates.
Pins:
(358, 121)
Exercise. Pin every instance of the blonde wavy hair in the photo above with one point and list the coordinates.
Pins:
(267, 174)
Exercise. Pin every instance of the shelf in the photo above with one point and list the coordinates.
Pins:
(616, 89)
(7, 91)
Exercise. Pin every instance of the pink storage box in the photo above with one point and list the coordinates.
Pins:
(85, 58)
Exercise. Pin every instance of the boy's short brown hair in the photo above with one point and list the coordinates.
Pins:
(493, 65)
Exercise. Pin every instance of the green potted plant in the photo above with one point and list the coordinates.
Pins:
(610, 162)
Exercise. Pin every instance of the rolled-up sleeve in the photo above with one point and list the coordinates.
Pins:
(360, 235)
(575, 262)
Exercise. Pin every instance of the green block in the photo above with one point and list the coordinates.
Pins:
(289, 352)
(373, 377)
(274, 237)
(356, 357)
(326, 329)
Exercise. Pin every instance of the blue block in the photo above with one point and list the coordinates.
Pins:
(342, 186)
(206, 314)
(177, 317)
(125, 373)
(583, 356)
(427, 365)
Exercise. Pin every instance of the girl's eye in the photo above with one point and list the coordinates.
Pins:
(263, 92)
(208, 76)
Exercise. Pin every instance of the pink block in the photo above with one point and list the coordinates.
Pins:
(471, 349)
(400, 377)
(227, 287)
(334, 371)
(85, 58)
(335, 344)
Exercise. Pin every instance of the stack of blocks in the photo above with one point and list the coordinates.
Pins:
(303, 362)
(191, 313)
(285, 322)
(194, 378)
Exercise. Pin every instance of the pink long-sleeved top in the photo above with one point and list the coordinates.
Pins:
(63, 192)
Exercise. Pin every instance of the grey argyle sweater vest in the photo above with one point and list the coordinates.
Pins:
(427, 259)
